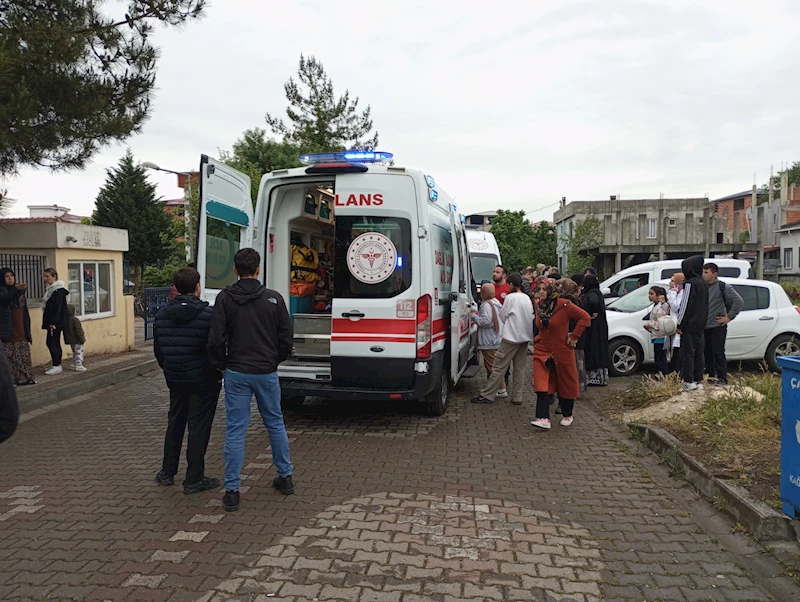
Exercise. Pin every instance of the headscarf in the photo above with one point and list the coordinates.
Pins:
(577, 279)
(488, 296)
(590, 282)
(591, 270)
(545, 307)
(568, 289)
(15, 300)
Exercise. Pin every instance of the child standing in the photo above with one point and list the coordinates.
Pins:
(658, 297)
(74, 337)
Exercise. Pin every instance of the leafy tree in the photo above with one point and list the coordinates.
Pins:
(586, 234)
(319, 121)
(544, 244)
(256, 148)
(515, 238)
(128, 201)
(73, 79)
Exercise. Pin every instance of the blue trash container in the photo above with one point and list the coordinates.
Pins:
(790, 435)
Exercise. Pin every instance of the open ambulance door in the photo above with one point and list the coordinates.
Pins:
(225, 224)
(460, 301)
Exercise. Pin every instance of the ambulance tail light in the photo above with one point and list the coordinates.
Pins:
(424, 327)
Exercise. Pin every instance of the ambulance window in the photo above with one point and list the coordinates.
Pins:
(222, 241)
(362, 272)
(443, 259)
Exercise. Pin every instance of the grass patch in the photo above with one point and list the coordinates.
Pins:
(739, 434)
(643, 392)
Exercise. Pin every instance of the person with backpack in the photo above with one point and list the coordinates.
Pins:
(724, 304)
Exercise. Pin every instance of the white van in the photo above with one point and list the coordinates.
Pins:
(629, 279)
(484, 255)
(388, 314)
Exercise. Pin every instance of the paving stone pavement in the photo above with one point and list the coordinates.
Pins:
(390, 506)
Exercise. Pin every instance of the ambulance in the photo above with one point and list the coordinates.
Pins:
(484, 255)
(373, 262)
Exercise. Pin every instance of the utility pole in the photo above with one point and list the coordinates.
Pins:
(756, 233)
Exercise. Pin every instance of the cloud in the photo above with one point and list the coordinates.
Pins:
(512, 104)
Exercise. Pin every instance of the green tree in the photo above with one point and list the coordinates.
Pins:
(256, 148)
(586, 235)
(74, 79)
(127, 200)
(514, 236)
(319, 121)
(544, 244)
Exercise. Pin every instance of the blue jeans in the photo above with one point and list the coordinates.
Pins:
(239, 390)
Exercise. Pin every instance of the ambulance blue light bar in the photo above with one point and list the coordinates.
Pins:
(346, 157)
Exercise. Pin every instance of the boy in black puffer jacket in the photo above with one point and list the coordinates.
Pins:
(692, 317)
(180, 339)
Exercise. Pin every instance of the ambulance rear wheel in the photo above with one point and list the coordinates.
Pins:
(435, 402)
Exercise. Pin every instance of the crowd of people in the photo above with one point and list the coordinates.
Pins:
(564, 319)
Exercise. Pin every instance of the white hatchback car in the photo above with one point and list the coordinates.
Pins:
(768, 326)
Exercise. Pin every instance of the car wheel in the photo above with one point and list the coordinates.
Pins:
(435, 402)
(785, 344)
(625, 357)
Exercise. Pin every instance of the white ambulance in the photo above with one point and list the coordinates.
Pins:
(484, 255)
(382, 302)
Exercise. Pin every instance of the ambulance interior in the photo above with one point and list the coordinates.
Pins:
(301, 256)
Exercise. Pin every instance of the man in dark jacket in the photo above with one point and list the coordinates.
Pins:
(9, 408)
(692, 316)
(180, 343)
(250, 335)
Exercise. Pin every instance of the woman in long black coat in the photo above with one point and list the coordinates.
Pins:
(15, 327)
(596, 347)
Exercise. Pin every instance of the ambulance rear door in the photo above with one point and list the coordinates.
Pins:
(225, 224)
(376, 281)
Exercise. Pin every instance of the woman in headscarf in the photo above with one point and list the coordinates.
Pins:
(569, 288)
(15, 327)
(596, 347)
(489, 327)
(590, 271)
(554, 366)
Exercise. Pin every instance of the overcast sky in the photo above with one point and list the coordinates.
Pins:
(510, 104)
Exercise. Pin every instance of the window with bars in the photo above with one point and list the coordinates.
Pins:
(91, 288)
(28, 270)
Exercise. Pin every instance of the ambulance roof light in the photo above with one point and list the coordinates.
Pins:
(346, 156)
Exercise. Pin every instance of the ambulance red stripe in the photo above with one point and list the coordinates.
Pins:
(373, 326)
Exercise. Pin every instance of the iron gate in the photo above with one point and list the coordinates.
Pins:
(154, 299)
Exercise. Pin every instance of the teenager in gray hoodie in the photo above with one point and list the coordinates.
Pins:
(724, 304)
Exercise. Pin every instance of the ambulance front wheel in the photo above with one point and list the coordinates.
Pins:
(435, 402)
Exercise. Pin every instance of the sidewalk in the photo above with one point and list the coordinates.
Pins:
(102, 371)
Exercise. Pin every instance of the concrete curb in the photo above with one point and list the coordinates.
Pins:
(763, 522)
(88, 385)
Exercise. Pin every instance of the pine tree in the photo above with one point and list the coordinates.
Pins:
(128, 201)
(73, 79)
(318, 120)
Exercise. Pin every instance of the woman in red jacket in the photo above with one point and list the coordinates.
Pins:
(554, 367)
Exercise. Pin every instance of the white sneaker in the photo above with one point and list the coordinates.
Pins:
(79, 368)
(542, 423)
(502, 393)
(566, 421)
(686, 387)
(699, 386)
(54, 370)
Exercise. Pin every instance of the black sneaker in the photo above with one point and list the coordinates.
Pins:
(283, 484)
(231, 501)
(481, 399)
(162, 478)
(207, 484)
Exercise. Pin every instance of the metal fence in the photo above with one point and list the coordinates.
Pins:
(154, 299)
(28, 269)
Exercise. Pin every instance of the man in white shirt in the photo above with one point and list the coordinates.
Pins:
(517, 317)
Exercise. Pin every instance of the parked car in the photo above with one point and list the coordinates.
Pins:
(644, 274)
(768, 326)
